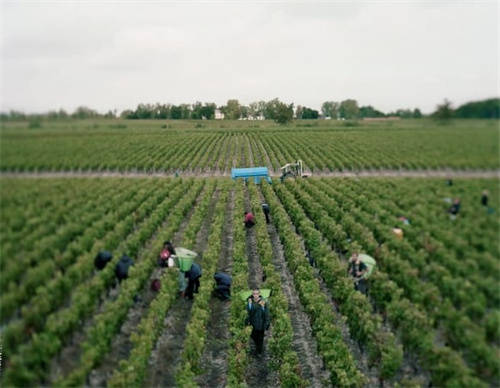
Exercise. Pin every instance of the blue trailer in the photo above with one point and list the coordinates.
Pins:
(256, 172)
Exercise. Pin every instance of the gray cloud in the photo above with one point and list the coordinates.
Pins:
(116, 54)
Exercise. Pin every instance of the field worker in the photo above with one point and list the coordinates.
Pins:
(258, 317)
(398, 232)
(102, 258)
(265, 209)
(484, 198)
(122, 267)
(357, 270)
(193, 276)
(310, 259)
(454, 208)
(249, 219)
(223, 285)
(165, 259)
(404, 220)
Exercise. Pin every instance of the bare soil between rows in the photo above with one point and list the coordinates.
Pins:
(259, 373)
(214, 358)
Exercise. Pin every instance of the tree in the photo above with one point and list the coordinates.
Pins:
(262, 106)
(369, 111)
(145, 111)
(111, 114)
(128, 114)
(308, 113)
(197, 111)
(232, 110)
(271, 109)
(330, 109)
(256, 109)
(162, 111)
(349, 109)
(404, 113)
(185, 111)
(278, 111)
(444, 111)
(82, 112)
(417, 114)
(485, 109)
(244, 112)
(298, 112)
(208, 110)
(57, 115)
(175, 112)
(284, 113)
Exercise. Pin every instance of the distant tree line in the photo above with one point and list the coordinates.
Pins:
(485, 109)
(270, 110)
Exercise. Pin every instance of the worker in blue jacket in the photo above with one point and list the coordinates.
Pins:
(223, 285)
(193, 276)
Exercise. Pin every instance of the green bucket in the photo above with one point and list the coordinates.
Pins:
(369, 262)
(184, 258)
(265, 293)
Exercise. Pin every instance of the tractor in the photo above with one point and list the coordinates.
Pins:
(295, 170)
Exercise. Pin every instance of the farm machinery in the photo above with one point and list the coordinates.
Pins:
(294, 170)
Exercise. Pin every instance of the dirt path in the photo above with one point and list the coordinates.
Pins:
(259, 374)
(255, 275)
(444, 173)
(304, 343)
(214, 357)
(165, 356)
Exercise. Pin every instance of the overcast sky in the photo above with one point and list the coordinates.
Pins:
(116, 54)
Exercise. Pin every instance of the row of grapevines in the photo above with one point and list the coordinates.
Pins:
(29, 364)
(194, 342)
(338, 360)
(414, 325)
(364, 326)
(24, 278)
(110, 320)
(238, 357)
(201, 160)
(47, 222)
(458, 278)
(462, 333)
(131, 371)
(47, 298)
(284, 358)
(41, 213)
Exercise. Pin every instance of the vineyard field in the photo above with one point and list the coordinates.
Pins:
(431, 316)
(209, 147)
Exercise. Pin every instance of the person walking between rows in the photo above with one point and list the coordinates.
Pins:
(454, 208)
(484, 198)
(259, 318)
(265, 209)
